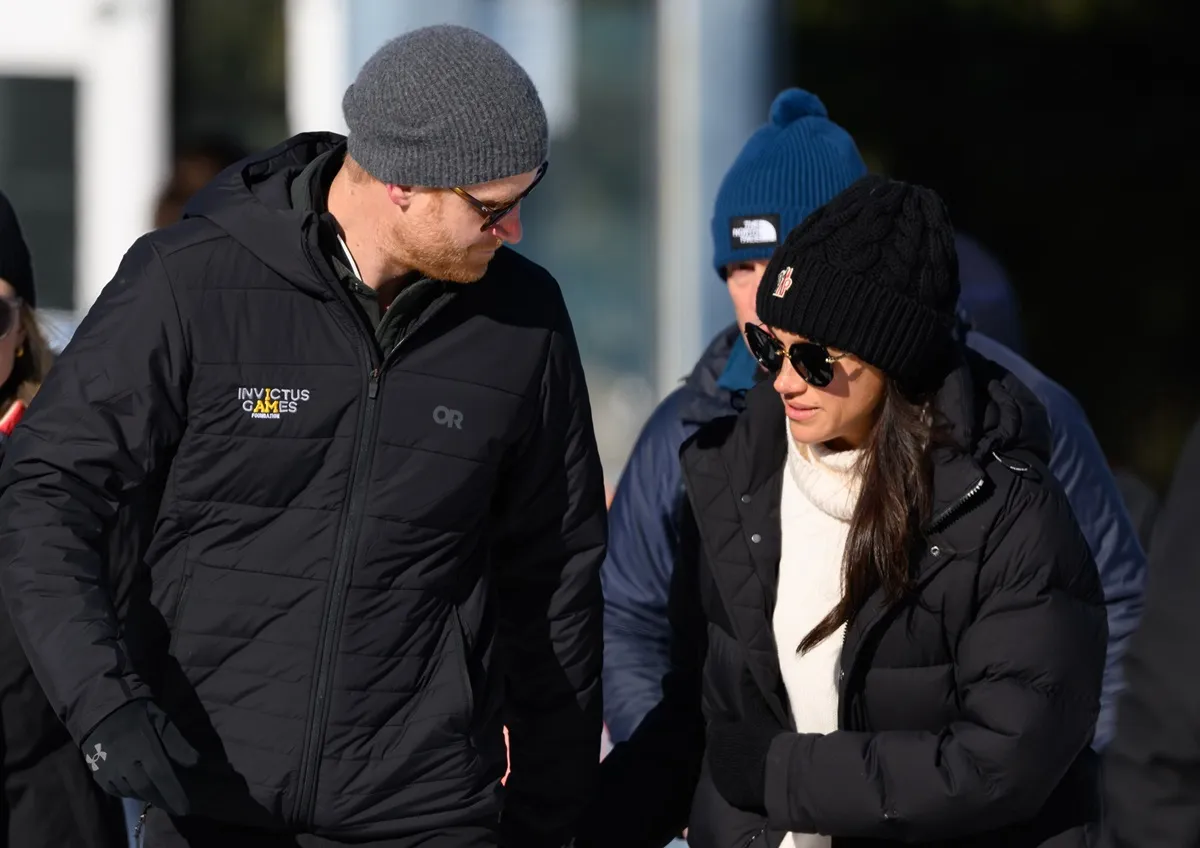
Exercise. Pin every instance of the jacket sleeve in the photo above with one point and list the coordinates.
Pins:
(647, 782)
(1152, 768)
(643, 546)
(111, 411)
(1028, 672)
(1079, 465)
(547, 558)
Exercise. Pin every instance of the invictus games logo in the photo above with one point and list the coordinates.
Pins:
(271, 403)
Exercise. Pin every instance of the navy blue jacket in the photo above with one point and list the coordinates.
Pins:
(644, 534)
(644, 541)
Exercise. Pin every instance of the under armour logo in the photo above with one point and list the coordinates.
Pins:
(448, 417)
(93, 760)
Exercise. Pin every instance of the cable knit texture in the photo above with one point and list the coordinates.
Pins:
(820, 491)
(873, 272)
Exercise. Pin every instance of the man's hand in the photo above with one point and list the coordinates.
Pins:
(133, 752)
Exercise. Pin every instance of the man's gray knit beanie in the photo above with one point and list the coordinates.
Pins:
(444, 106)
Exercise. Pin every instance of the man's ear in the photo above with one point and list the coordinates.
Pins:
(401, 195)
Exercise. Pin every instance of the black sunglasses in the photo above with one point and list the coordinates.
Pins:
(492, 215)
(10, 315)
(813, 362)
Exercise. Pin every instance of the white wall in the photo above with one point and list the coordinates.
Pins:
(117, 52)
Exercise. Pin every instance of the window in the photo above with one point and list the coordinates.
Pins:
(38, 173)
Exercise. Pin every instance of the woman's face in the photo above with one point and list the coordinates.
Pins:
(10, 325)
(839, 415)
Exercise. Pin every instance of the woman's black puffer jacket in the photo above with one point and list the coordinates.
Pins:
(965, 711)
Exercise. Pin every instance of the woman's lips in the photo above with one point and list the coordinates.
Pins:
(800, 412)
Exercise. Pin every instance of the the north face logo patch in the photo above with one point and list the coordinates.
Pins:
(753, 230)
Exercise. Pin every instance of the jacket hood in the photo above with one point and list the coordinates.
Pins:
(985, 409)
(251, 201)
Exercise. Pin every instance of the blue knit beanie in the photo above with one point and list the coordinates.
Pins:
(789, 168)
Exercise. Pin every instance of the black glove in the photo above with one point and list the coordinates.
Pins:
(737, 751)
(130, 754)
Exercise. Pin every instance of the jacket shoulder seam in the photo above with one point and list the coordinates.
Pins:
(167, 250)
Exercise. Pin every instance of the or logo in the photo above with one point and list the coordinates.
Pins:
(448, 417)
(271, 403)
(783, 282)
(93, 760)
(753, 230)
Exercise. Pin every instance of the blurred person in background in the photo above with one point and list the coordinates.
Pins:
(1142, 501)
(902, 629)
(383, 518)
(990, 308)
(988, 296)
(195, 165)
(796, 162)
(1152, 768)
(49, 796)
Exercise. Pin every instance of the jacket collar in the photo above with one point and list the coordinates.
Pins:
(705, 398)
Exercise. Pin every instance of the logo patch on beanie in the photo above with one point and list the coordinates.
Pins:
(783, 282)
(753, 230)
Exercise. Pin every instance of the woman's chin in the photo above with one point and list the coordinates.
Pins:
(808, 432)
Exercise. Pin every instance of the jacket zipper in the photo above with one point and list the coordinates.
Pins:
(841, 684)
(942, 517)
(755, 837)
(314, 743)
(139, 826)
(318, 707)
(306, 790)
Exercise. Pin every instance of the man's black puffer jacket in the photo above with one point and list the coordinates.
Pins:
(365, 563)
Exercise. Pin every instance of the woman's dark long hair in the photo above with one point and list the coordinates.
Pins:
(30, 366)
(894, 502)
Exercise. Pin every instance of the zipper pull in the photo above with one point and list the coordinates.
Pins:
(762, 832)
(141, 825)
(373, 384)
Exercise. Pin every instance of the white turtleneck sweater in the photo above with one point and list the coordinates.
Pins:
(820, 490)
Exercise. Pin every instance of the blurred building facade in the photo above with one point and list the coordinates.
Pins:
(648, 104)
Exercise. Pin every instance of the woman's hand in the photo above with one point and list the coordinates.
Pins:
(737, 751)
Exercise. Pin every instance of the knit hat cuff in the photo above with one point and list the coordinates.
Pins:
(393, 157)
(899, 336)
(745, 237)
